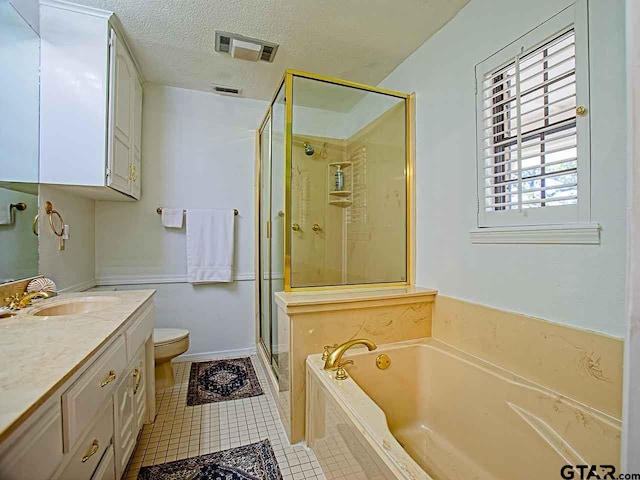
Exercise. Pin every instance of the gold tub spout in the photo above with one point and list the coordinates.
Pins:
(335, 358)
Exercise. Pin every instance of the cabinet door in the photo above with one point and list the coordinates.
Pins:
(121, 86)
(139, 390)
(124, 435)
(137, 138)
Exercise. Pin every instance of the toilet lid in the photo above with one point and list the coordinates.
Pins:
(163, 336)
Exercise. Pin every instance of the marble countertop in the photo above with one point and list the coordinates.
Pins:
(39, 353)
(352, 295)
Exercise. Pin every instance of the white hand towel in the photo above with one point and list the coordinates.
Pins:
(210, 243)
(5, 214)
(172, 217)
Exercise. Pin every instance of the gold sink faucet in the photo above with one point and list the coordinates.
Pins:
(334, 360)
(16, 302)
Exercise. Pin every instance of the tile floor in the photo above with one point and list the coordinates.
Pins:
(181, 431)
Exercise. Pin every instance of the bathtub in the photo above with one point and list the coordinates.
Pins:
(438, 413)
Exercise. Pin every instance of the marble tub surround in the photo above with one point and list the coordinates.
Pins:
(581, 364)
(39, 353)
(307, 321)
(536, 430)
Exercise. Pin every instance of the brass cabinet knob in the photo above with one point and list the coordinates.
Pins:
(295, 227)
(581, 110)
(92, 451)
(138, 377)
(316, 227)
(109, 379)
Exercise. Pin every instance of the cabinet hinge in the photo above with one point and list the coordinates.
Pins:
(478, 205)
(108, 172)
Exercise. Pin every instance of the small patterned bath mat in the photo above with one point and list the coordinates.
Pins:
(251, 462)
(222, 380)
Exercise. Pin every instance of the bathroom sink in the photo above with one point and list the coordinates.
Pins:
(76, 306)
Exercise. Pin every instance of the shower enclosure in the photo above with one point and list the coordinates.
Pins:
(333, 191)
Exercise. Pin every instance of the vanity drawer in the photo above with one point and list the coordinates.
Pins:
(91, 448)
(38, 452)
(140, 330)
(81, 402)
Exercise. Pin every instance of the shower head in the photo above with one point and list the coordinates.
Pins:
(308, 149)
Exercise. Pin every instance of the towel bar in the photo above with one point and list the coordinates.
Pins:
(159, 211)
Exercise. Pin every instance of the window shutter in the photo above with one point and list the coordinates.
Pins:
(529, 130)
(531, 168)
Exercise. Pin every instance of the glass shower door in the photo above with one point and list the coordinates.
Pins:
(265, 234)
(278, 335)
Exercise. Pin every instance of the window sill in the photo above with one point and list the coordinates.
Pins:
(576, 234)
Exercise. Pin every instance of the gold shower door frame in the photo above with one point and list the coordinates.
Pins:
(287, 81)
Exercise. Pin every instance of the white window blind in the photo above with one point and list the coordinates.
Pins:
(529, 132)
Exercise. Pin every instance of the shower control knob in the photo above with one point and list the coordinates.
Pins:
(316, 227)
(295, 227)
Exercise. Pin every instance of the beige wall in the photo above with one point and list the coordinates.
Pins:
(580, 285)
(198, 151)
(74, 267)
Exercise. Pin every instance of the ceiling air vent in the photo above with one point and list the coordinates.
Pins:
(245, 48)
(225, 90)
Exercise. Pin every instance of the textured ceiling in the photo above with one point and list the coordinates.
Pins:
(358, 40)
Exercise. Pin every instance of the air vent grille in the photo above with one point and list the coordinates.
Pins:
(224, 41)
(225, 90)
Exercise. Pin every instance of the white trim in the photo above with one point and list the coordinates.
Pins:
(151, 279)
(577, 234)
(206, 356)
(96, 12)
(631, 387)
(80, 287)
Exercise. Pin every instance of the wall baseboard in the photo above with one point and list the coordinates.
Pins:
(205, 356)
(80, 287)
(155, 279)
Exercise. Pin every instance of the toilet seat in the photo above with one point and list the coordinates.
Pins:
(165, 336)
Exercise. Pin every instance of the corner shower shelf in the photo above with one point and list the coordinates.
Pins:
(340, 203)
(341, 193)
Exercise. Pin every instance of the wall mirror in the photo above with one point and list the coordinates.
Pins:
(19, 123)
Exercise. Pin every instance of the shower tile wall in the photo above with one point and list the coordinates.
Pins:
(375, 237)
(316, 256)
(372, 228)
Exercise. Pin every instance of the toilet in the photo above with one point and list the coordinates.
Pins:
(168, 343)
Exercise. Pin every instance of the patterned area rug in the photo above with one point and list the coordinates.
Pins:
(222, 380)
(251, 462)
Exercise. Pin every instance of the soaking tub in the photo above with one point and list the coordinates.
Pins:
(439, 413)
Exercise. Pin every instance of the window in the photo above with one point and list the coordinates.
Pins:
(533, 128)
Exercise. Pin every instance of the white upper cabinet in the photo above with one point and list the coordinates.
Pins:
(91, 104)
(137, 138)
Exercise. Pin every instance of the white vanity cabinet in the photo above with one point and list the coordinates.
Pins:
(130, 410)
(90, 103)
(88, 428)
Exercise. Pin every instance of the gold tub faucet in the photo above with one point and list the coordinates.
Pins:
(334, 360)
